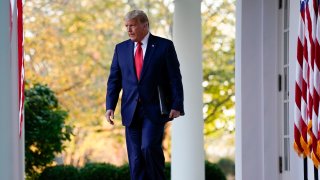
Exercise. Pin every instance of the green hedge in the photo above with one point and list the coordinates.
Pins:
(167, 170)
(61, 172)
(103, 171)
(99, 171)
(124, 172)
(227, 166)
(213, 172)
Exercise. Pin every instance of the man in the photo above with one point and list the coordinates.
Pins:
(143, 67)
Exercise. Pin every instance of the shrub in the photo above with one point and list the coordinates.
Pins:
(124, 172)
(45, 129)
(167, 171)
(213, 171)
(60, 172)
(227, 166)
(101, 171)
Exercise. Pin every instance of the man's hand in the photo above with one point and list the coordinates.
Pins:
(174, 113)
(110, 115)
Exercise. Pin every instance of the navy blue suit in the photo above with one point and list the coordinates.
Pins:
(140, 107)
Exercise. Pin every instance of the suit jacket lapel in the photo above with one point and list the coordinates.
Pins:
(131, 58)
(147, 58)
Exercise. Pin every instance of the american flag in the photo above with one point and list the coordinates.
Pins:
(313, 95)
(307, 88)
(20, 63)
(304, 88)
(316, 92)
(298, 121)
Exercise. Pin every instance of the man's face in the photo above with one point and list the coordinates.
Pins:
(136, 30)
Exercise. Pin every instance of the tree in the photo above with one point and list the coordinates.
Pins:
(218, 32)
(45, 130)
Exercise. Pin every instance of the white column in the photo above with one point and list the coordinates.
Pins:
(248, 98)
(187, 131)
(270, 106)
(257, 123)
(11, 151)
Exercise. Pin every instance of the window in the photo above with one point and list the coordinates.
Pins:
(284, 90)
(284, 70)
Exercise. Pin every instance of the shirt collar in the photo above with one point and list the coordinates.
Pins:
(144, 40)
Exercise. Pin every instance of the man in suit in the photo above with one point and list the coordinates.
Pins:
(141, 66)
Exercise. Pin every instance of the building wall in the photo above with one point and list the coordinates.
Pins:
(257, 134)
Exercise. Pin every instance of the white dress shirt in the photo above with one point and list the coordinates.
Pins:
(143, 46)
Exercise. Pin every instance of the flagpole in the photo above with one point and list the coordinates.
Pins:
(305, 168)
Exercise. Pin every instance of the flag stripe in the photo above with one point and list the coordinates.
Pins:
(20, 63)
(298, 87)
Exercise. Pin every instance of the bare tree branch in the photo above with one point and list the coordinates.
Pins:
(216, 107)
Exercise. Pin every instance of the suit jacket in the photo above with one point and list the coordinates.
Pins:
(160, 68)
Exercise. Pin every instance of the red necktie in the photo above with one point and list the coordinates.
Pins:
(138, 58)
